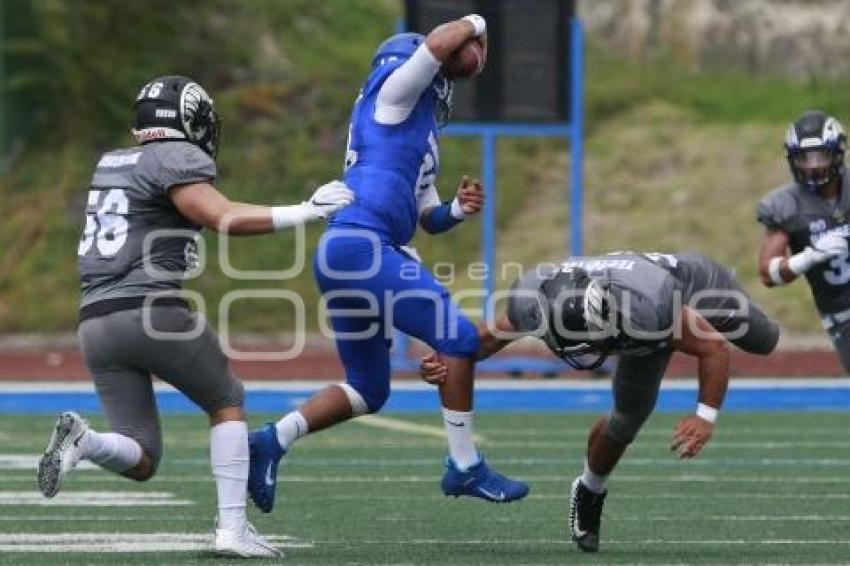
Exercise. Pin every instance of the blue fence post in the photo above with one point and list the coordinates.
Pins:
(488, 227)
(576, 139)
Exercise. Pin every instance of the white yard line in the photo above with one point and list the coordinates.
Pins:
(741, 519)
(401, 425)
(284, 478)
(94, 499)
(30, 462)
(729, 430)
(616, 517)
(99, 518)
(121, 542)
(564, 541)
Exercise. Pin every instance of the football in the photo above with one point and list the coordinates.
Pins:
(467, 61)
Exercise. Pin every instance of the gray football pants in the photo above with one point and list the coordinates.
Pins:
(840, 336)
(638, 378)
(121, 357)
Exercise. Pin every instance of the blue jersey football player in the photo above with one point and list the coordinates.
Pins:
(368, 277)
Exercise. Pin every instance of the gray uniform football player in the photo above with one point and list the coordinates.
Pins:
(811, 217)
(642, 307)
(146, 206)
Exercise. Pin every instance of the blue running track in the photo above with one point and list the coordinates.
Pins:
(491, 395)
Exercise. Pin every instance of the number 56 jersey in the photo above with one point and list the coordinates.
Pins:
(806, 218)
(135, 241)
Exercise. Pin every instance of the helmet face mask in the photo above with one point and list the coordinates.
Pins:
(815, 145)
(578, 316)
(444, 87)
(200, 120)
(177, 108)
(814, 166)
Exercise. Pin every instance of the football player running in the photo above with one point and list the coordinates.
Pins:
(642, 307)
(810, 217)
(146, 207)
(372, 282)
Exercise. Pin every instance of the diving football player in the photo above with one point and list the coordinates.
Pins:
(642, 307)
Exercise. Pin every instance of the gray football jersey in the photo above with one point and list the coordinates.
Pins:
(806, 217)
(649, 289)
(135, 241)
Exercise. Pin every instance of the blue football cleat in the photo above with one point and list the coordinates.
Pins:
(481, 481)
(266, 453)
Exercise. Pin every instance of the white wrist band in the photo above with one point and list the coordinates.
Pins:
(774, 269)
(286, 216)
(800, 263)
(457, 210)
(706, 413)
(479, 23)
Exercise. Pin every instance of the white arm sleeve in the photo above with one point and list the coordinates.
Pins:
(428, 198)
(402, 89)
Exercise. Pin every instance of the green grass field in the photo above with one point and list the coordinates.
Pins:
(771, 488)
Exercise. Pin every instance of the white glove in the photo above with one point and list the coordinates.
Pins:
(826, 248)
(330, 198)
(327, 199)
(832, 245)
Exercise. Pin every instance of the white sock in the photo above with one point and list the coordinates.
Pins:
(458, 426)
(110, 450)
(230, 460)
(290, 428)
(593, 482)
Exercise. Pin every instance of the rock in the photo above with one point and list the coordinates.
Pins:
(799, 38)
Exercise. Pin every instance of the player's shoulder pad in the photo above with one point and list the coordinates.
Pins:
(179, 162)
(778, 207)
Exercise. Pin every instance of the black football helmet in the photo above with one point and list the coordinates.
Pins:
(177, 108)
(815, 145)
(579, 318)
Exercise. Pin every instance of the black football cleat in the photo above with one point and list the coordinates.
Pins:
(585, 516)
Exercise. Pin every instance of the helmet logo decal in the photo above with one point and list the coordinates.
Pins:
(190, 105)
(595, 305)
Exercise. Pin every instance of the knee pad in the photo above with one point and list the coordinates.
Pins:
(624, 427)
(366, 397)
(359, 406)
(464, 341)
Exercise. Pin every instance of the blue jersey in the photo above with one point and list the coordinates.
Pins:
(387, 166)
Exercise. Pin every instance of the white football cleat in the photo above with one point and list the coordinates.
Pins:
(62, 453)
(244, 542)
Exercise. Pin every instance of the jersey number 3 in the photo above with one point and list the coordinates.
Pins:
(840, 274)
(106, 225)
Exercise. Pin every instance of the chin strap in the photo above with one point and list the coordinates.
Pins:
(576, 359)
(576, 354)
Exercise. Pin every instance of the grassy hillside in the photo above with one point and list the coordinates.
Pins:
(674, 160)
